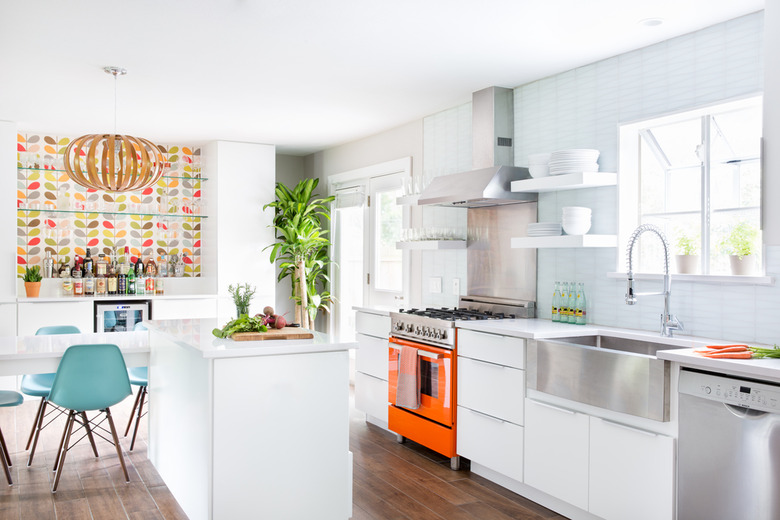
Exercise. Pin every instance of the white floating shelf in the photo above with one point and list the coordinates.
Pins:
(565, 241)
(570, 181)
(430, 245)
(408, 200)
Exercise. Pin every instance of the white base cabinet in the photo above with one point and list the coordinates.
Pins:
(635, 465)
(491, 390)
(556, 452)
(612, 470)
(371, 365)
(32, 316)
(371, 396)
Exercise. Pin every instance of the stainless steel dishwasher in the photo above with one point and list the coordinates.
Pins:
(728, 448)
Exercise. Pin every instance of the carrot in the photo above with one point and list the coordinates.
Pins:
(729, 355)
(719, 347)
(735, 348)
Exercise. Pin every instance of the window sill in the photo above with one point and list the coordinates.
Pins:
(702, 278)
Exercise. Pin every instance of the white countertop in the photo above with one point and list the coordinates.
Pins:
(767, 369)
(47, 346)
(381, 311)
(112, 297)
(197, 334)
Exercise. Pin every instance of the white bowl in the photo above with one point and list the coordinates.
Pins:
(572, 210)
(537, 170)
(576, 228)
(538, 158)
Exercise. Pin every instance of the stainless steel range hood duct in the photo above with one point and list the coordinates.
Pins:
(489, 182)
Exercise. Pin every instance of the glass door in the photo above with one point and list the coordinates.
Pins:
(385, 276)
(349, 240)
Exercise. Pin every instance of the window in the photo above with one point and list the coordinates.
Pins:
(698, 178)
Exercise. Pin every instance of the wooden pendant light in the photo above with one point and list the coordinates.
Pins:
(114, 162)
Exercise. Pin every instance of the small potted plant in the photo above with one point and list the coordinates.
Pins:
(740, 244)
(32, 281)
(242, 295)
(687, 257)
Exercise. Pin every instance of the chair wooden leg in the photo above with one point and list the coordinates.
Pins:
(6, 459)
(132, 414)
(62, 441)
(63, 450)
(116, 444)
(37, 427)
(38, 420)
(89, 433)
(142, 394)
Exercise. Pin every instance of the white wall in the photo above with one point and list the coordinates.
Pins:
(771, 217)
(245, 174)
(7, 211)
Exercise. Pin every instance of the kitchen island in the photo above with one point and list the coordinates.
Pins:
(254, 429)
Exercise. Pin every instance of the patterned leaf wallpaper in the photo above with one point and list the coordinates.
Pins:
(55, 214)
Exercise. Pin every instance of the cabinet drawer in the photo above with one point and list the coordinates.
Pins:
(372, 356)
(502, 350)
(492, 389)
(371, 396)
(491, 442)
(372, 325)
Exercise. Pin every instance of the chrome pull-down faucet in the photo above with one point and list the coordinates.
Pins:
(669, 322)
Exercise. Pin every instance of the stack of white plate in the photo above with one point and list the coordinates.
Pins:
(544, 229)
(573, 161)
(576, 220)
(538, 164)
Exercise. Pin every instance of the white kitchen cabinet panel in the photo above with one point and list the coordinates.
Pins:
(372, 357)
(371, 396)
(492, 442)
(174, 309)
(372, 324)
(32, 316)
(8, 328)
(502, 350)
(491, 389)
(556, 452)
(631, 472)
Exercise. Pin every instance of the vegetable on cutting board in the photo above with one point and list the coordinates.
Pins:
(738, 352)
(243, 323)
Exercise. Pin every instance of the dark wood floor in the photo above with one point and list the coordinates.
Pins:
(391, 480)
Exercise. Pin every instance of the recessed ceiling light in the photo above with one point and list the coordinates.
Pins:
(651, 22)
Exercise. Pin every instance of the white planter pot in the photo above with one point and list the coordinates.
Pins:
(742, 265)
(687, 264)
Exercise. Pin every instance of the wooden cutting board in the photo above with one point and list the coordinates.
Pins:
(285, 333)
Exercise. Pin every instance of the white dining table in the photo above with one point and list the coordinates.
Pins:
(40, 354)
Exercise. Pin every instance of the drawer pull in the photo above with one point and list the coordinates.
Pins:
(630, 428)
(496, 419)
(553, 407)
(488, 363)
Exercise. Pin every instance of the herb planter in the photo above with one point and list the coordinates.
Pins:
(687, 264)
(742, 265)
(33, 289)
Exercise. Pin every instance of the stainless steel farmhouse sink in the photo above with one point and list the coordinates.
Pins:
(623, 375)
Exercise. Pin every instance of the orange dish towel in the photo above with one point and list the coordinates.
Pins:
(408, 391)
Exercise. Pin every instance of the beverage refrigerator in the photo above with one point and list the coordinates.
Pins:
(121, 315)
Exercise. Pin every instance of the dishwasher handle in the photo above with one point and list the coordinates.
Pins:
(743, 412)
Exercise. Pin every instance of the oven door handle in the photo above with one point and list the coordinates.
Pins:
(423, 353)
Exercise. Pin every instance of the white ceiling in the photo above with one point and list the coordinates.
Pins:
(302, 74)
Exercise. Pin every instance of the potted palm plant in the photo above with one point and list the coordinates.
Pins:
(32, 281)
(302, 247)
(687, 257)
(740, 244)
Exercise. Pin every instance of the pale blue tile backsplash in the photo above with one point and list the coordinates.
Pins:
(582, 108)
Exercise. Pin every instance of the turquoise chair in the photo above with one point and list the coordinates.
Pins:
(139, 376)
(8, 398)
(39, 385)
(89, 378)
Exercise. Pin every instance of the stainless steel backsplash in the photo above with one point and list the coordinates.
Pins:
(494, 268)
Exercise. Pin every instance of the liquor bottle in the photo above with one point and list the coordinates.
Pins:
(125, 268)
(556, 302)
(87, 263)
(139, 267)
(140, 284)
(78, 283)
(181, 266)
(173, 265)
(48, 265)
(67, 284)
(159, 285)
(64, 269)
(89, 282)
(151, 268)
(112, 280)
(162, 269)
(149, 287)
(121, 282)
(582, 314)
(101, 284)
(130, 282)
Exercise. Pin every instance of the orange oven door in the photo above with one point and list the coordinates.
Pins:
(435, 368)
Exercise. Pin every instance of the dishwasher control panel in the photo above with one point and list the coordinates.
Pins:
(731, 390)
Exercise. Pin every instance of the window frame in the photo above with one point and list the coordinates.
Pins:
(629, 185)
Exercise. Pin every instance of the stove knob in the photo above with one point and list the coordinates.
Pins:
(418, 330)
(443, 334)
(409, 328)
(426, 332)
(438, 334)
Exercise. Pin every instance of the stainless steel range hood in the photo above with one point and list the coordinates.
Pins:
(489, 182)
